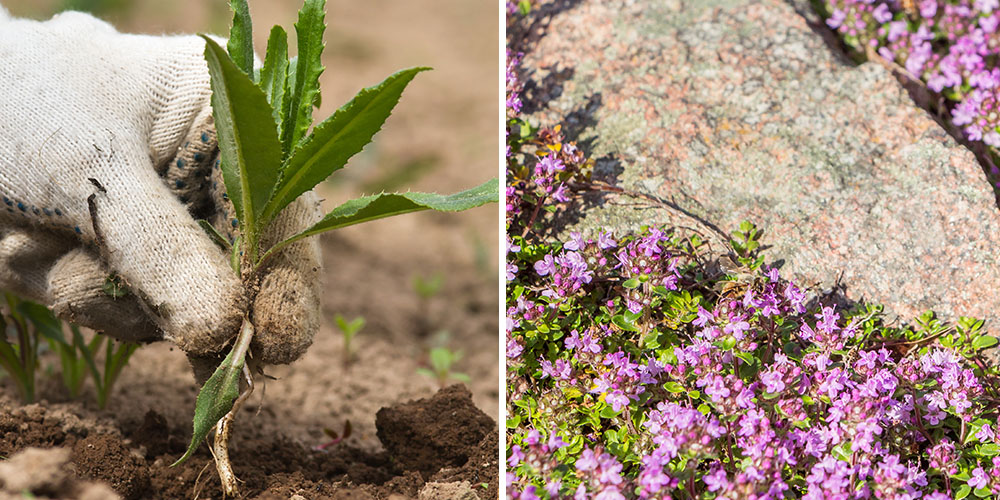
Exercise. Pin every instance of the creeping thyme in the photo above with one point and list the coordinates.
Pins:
(633, 372)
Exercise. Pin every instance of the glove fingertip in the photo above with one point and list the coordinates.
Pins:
(285, 314)
(76, 294)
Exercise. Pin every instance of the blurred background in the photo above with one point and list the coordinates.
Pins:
(423, 282)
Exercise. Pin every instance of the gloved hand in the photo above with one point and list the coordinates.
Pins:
(80, 101)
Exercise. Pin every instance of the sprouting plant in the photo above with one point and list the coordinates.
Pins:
(20, 357)
(427, 287)
(34, 322)
(335, 437)
(349, 329)
(746, 243)
(116, 356)
(442, 359)
(270, 158)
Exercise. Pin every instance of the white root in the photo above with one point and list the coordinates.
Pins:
(220, 447)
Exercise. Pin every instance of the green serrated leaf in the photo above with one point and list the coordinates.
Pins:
(305, 87)
(214, 234)
(274, 73)
(379, 206)
(337, 139)
(215, 399)
(240, 44)
(248, 138)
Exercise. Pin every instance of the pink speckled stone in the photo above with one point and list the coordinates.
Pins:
(739, 110)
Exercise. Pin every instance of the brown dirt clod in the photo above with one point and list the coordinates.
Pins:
(103, 457)
(428, 435)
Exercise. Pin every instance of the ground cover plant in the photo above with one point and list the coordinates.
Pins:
(269, 158)
(636, 371)
(949, 46)
(650, 365)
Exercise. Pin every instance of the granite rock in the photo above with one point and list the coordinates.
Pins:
(738, 109)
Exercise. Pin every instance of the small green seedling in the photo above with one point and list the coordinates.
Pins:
(428, 287)
(32, 323)
(746, 244)
(349, 330)
(270, 157)
(442, 360)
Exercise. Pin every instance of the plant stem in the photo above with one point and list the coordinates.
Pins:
(220, 446)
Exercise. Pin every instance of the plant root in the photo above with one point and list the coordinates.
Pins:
(220, 446)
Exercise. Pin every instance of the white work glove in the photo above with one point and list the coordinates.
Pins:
(80, 101)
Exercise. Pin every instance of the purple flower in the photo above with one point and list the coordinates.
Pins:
(587, 460)
(773, 382)
(985, 434)
(560, 194)
(516, 455)
(605, 241)
(737, 325)
(545, 266)
(836, 19)
(716, 480)
(575, 242)
(978, 479)
(882, 13)
(987, 6)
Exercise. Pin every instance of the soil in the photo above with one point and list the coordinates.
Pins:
(457, 444)
(444, 136)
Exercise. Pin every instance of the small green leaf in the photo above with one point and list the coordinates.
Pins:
(305, 86)
(620, 321)
(274, 73)
(842, 451)
(337, 139)
(728, 342)
(379, 206)
(631, 283)
(215, 400)
(984, 342)
(963, 491)
(989, 449)
(982, 492)
(608, 412)
(114, 287)
(248, 137)
(674, 387)
(240, 44)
